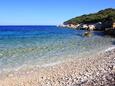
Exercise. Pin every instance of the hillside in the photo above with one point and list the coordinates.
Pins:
(102, 16)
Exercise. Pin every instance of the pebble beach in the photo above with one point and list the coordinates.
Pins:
(96, 70)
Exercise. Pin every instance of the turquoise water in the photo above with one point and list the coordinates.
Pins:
(40, 45)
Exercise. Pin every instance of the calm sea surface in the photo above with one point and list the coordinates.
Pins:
(40, 45)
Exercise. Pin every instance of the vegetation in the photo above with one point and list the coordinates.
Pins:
(104, 16)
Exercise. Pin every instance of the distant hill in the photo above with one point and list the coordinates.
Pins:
(101, 16)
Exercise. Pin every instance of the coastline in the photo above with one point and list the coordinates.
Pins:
(98, 69)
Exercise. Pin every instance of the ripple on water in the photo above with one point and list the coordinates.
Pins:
(46, 46)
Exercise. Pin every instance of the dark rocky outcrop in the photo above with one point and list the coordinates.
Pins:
(110, 31)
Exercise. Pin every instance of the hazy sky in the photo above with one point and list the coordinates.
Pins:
(47, 12)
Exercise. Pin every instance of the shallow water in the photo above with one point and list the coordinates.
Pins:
(40, 45)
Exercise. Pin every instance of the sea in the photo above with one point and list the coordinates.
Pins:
(24, 46)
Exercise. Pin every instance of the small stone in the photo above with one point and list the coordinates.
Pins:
(10, 75)
(114, 67)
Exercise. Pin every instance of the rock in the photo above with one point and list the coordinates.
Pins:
(87, 34)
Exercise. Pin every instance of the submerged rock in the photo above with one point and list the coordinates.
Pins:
(87, 34)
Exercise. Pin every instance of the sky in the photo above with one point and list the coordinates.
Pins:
(47, 12)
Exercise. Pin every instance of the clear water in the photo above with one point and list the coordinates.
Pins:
(40, 45)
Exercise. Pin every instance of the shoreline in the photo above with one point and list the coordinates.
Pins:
(80, 71)
(64, 60)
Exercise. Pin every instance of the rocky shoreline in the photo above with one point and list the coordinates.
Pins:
(96, 70)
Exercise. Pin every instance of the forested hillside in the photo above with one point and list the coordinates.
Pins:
(101, 16)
